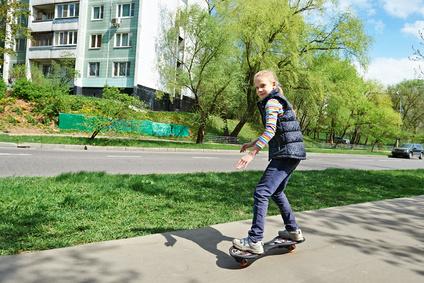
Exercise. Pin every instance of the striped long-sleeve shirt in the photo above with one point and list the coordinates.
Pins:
(273, 110)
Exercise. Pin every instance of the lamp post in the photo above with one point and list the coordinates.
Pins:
(400, 113)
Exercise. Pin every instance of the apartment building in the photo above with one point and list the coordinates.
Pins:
(111, 42)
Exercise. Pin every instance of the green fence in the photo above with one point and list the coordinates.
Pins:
(79, 122)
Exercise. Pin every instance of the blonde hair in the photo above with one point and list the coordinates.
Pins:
(271, 75)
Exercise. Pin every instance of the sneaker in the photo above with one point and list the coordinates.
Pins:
(247, 245)
(296, 235)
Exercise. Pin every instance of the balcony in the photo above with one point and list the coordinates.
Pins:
(41, 26)
(55, 25)
(52, 52)
(65, 24)
(43, 2)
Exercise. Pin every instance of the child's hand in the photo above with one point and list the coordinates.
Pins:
(244, 147)
(247, 145)
(244, 161)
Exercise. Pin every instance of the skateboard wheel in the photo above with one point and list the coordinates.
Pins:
(291, 248)
(244, 263)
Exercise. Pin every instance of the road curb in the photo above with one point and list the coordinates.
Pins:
(40, 146)
(8, 144)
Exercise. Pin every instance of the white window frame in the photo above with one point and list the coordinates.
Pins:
(98, 42)
(101, 13)
(70, 38)
(68, 10)
(117, 68)
(118, 40)
(97, 70)
(120, 10)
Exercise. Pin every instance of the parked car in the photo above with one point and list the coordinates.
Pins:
(408, 150)
(341, 140)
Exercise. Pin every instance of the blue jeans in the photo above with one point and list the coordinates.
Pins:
(272, 184)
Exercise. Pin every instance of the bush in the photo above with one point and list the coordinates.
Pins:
(48, 98)
(26, 90)
(2, 89)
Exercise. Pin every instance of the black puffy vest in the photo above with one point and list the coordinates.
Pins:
(288, 139)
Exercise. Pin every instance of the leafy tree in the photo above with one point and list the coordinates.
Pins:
(408, 99)
(10, 27)
(285, 42)
(384, 121)
(195, 60)
(328, 97)
(114, 107)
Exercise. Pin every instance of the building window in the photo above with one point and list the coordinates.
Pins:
(20, 44)
(46, 69)
(98, 13)
(121, 69)
(93, 69)
(125, 10)
(22, 20)
(67, 10)
(96, 41)
(122, 40)
(66, 38)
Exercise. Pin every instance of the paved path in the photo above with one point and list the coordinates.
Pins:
(371, 242)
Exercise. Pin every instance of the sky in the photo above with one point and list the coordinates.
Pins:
(393, 26)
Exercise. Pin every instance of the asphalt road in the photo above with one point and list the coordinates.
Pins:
(52, 162)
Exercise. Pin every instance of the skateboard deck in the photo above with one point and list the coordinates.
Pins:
(246, 258)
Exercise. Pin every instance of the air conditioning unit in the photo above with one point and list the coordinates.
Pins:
(116, 22)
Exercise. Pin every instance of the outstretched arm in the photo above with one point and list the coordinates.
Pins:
(245, 160)
(272, 108)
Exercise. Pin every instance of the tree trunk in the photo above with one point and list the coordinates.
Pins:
(200, 133)
(238, 127)
(355, 135)
(250, 99)
(94, 134)
(373, 145)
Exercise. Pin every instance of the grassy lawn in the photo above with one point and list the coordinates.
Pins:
(39, 213)
(157, 143)
(127, 142)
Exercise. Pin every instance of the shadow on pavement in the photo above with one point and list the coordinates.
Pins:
(76, 266)
(382, 223)
(208, 239)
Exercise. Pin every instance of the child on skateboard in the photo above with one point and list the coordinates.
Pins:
(286, 150)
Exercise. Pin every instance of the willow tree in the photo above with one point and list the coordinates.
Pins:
(195, 60)
(328, 97)
(274, 34)
(384, 123)
(408, 100)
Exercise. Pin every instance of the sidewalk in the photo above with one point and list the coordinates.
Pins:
(371, 242)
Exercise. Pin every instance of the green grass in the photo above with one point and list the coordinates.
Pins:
(102, 141)
(39, 213)
(131, 141)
